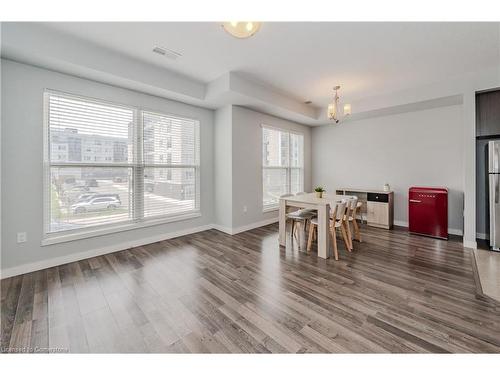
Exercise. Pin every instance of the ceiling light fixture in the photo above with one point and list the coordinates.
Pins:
(333, 108)
(241, 30)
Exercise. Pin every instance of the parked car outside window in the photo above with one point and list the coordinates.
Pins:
(95, 204)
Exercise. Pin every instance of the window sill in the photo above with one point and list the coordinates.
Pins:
(60, 238)
(271, 209)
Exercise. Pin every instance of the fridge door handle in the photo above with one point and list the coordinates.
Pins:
(493, 157)
(494, 210)
(497, 188)
(415, 201)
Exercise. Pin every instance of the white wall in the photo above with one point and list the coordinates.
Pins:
(465, 85)
(22, 151)
(247, 163)
(238, 166)
(223, 165)
(416, 148)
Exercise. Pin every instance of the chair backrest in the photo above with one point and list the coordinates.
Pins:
(340, 210)
(351, 207)
(300, 193)
(353, 203)
(286, 195)
(333, 211)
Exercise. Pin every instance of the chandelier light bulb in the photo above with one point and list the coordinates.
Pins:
(347, 109)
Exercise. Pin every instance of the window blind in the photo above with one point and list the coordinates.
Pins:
(107, 164)
(171, 164)
(282, 165)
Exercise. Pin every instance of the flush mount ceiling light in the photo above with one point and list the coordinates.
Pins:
(241, 29)
(333, 109)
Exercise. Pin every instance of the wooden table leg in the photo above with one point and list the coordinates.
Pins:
(282, 223)
(323, 227)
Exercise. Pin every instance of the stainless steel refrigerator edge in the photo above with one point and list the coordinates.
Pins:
(494, 192)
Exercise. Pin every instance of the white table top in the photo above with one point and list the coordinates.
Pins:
(311, 198)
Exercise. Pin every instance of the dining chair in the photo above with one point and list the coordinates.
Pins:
(305, 209)
(341, 222)
(297, 217)
(359, 206)
(350, 213)
(336, 221)
(351, 218)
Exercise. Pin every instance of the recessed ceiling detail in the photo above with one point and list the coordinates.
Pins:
(295, 56)
(270, 74)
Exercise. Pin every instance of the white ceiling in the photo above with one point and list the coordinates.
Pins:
(305, 59)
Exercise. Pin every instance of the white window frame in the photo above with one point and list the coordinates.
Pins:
(137, 166)
(288, 168)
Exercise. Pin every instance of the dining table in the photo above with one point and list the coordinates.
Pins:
(322, 205)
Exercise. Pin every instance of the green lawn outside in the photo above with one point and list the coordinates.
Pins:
(59, 213)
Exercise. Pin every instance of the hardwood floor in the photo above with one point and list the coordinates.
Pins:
(211, 292)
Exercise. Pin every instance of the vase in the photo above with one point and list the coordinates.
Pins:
(319, 194)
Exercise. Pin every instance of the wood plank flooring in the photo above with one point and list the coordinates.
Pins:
(214, 293)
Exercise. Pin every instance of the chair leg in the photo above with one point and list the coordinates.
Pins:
(356, 229)
(334, 242)
(344, 236)
(349, 234)
(298, 231)
(310, 239)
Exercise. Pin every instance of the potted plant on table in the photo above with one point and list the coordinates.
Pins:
(319, 191)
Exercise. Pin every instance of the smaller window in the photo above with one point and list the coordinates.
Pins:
(282, 165)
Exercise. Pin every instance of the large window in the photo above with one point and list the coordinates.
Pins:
(108, 165)
(282, 165)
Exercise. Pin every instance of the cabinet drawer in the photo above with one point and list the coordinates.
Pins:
(378, 197)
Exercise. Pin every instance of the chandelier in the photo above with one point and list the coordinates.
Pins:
(333, 108)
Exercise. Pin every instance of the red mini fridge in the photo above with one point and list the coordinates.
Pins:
(428, 211)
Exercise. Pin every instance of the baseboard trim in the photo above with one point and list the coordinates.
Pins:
(258, 224)
(36, 266)
(457, 232)
(222, 228)
(244, 228)
(53, 262)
